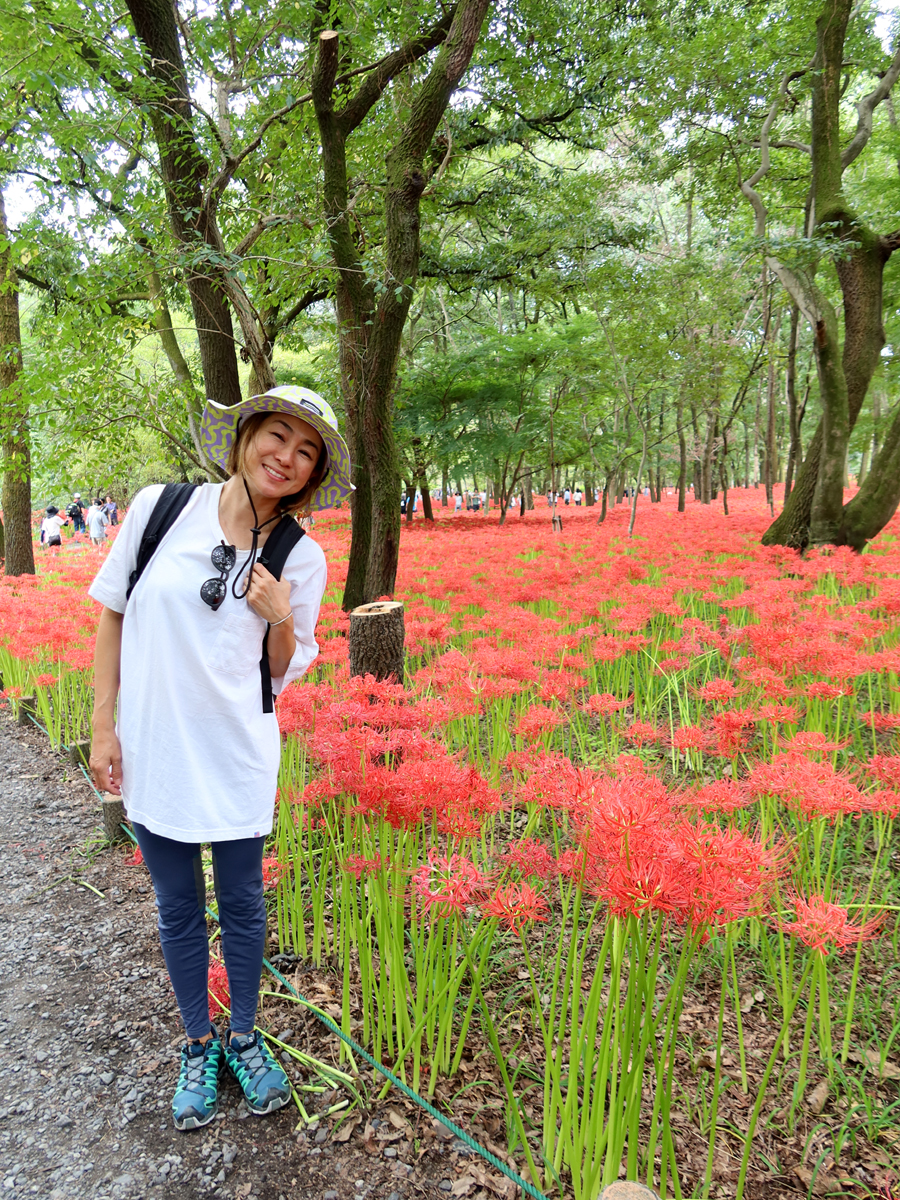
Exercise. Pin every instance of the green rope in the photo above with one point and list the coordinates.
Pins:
(528, 1188)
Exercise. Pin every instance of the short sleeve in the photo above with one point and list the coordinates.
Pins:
(308, 574)
(111, 582)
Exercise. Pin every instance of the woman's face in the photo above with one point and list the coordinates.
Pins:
(280, 459)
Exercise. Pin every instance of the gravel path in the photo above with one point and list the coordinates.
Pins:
(89, 1035)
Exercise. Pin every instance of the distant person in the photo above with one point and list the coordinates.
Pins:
(112, 510)
(51, 525)
(567, 496)
(75, 512)
(97, 521)
(457, 502)
(578, 499)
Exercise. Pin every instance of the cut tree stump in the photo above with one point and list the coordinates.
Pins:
(627, 1191)
(113, 816)
(79, 752)
(623, 1191)
(377, 634)
(27, 709)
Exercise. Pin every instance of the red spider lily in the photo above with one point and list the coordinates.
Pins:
(538, 720)
(718, 690)
(135, 859)
(528, 856)
(360, 866)
(777, 714)
(723, 795)
(688, 737)
(516, 905)
(46, 680)
(641, 732)
(218, 987)
(446, 883)
(812, 742)
(605, 704)
(814, 788)
(272, 871)
(881, 720)
(826, 691)
(885, 768)
(820, 924)
(731, 873)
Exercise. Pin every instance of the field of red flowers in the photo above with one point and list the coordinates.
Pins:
(612, 873)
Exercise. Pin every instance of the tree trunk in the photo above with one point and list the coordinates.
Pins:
(791, 386)
(445, 486)
(377, 319)
(184, 170)
(527, 490)
(879, 495)
(682, 454)
(815, 510)
(18, 546)
(377, 633)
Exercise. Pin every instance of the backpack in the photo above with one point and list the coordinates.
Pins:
(274, 554)
(73, 511)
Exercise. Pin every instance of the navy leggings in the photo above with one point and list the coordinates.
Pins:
(177, 875)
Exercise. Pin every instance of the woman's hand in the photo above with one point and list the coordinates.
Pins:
(270, 598)
(106, 762)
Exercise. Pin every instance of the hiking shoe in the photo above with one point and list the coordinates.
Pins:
(263, 1082)
(196, 1097)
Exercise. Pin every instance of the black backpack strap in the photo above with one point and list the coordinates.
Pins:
(172, 500)
(274, 554)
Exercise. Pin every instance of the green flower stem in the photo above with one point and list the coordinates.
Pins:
(764, 1083)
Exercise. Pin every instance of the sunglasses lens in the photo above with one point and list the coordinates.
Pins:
(223, 558)
(213, 592)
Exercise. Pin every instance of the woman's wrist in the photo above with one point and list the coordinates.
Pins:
(272, 624)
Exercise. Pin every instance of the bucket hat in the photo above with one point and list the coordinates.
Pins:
(52, 510)
(221, 423)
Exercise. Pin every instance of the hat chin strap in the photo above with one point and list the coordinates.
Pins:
(256, 529)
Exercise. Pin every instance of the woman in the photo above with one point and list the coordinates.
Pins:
(97, 521)
(193, 754)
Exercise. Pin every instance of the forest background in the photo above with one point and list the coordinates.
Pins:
(517, 245)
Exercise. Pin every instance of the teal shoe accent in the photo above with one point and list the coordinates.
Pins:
(196, 1098)
(263, 1082)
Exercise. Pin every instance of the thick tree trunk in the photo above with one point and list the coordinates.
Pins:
(527, 490)
(815, 510)
(16, 462)
(791, 387)
(378, 320)
(184, 170)
(878, 497)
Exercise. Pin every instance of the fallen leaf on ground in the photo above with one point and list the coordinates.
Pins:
(821, 1182)
(872, 1059)
(343, 1131)
(817, 1098)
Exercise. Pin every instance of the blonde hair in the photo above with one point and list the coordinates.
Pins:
(246, 436)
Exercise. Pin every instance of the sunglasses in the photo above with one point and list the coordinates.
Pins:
(214, 591)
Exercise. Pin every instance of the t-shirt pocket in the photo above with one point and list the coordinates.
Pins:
(238, 646)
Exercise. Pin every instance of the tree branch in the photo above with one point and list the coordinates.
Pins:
(866, 109)
(355, 110)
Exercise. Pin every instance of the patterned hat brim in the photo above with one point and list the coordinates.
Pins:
(219, 428)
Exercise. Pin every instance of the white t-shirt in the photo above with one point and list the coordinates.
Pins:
(199, 755)
(52, 525)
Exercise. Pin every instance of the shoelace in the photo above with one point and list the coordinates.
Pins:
(252, 1058)
(195, 1065)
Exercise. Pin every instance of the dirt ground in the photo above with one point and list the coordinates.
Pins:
(89, 1037)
